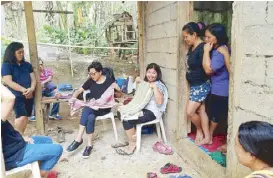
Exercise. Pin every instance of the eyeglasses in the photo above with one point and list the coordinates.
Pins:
(92, 74)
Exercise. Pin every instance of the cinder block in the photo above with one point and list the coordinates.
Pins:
(167, 29)
(253, 70)
(270, 12)
(172, 92)
(269, 73)
(254, 12)
(253, 98)
(160, 16)
(258, 40)
(174, 11)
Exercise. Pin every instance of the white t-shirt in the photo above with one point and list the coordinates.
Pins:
(152, 106)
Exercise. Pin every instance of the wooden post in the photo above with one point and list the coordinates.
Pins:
(35, 64)
(140, 38)
(69, 43)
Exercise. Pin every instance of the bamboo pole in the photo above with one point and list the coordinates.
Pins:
(35, 64)
(140, 38)
(69, 43)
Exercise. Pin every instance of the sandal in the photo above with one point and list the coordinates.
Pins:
(151, 175)
(124, 153)
(117, 145)
(170, 168)
(162, 148)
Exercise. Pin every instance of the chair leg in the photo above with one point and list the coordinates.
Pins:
(138, 137)
(158, 130)
(114, 128)
(35, 170)
(163, 131)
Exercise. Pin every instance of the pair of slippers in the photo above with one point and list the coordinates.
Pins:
(117, 146)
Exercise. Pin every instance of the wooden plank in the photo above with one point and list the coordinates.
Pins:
(33, 59)
(140, 25)
(54, 100)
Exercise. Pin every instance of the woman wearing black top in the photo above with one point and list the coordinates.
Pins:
(97, 84)
(198, 81)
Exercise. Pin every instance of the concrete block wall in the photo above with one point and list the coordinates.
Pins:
(251, 90)
(161, 47)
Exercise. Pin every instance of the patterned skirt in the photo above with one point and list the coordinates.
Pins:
(200, 92)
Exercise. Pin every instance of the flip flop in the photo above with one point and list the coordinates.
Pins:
(151, 175)
(118, 145)
(170, 168)
(124, 153)
(162, 148)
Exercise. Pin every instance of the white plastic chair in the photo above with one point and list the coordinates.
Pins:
(34, 167)
(110, 115)
(159, 124)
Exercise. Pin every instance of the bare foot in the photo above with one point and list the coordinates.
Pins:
(205, 141)
(223, 149)
(199, 136)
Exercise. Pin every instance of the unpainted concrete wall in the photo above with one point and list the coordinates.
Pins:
(251, 91)
(161, 47)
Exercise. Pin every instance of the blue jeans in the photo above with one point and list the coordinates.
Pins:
(56, 106)
(44, 151)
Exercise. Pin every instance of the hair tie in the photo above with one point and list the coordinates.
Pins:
(200, 26)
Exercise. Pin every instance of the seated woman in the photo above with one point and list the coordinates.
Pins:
(49, 90)
(254, 148)
(152, 110)
(97, 84)
(18, 150)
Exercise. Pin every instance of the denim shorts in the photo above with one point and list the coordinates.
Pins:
(199, 93)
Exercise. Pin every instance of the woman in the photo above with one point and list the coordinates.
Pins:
(154, 109)
(198, 81)
(49, 90)
(254, 148)
(214, 65)
(97, 84)
(17, 152)
(19, 77)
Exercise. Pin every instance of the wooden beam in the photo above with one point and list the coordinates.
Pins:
(48, 11)
(35, 64)
(140, 25)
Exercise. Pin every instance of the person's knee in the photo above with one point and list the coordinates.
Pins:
(190, 112)
(58, 150)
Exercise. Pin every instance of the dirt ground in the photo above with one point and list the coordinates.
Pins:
(104, 161)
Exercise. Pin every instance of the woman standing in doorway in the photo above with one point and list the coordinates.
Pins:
(214, 65)
(19, 77)
(198, 81)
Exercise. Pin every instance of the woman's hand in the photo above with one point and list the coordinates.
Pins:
(153, 85)
(71, 101)
(28, 140)
(28, 93)
(138, 80)
(208, 47)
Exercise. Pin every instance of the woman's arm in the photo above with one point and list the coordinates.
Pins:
(49, 79)
(28, 93)
(158, 94)
(7, 79)
(206, 59)
(224, 50)
(7, 102)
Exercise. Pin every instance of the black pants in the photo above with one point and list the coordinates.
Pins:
(217, 108)
(88, 118)
(147, 117)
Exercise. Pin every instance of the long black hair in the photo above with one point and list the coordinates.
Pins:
(9, 55)
(156, 67)
(192, 27)
(219, 31)
(256, 137)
